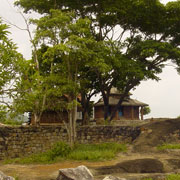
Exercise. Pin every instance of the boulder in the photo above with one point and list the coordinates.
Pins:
(113, 178)
(4, 177)
(79, 173)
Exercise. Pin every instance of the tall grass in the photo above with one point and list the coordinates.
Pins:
(95, 152)
(62, 151)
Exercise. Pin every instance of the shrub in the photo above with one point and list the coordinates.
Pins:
(61, 149)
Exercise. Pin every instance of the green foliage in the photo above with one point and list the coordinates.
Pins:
(3, 113)
(146, 110)
(169, 146)
(10, 61)
(12, 122)
(62, 151)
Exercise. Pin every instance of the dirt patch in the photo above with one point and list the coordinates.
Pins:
(156, 133)
(174, 163)
(134, 166)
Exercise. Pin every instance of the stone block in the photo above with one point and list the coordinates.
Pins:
(113, 178)
(79, 173)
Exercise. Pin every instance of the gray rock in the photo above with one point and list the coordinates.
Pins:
(113, 178)
(79, 173)
(4, 177)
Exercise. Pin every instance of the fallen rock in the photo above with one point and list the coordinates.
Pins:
(113, 178)
(4, 177)
(79, 173)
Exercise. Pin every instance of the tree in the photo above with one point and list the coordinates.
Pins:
(137, 52)
(146, 110)
(171, 31)
(10, 63)
(61, 66)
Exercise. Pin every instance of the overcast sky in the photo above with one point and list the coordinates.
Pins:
(163, 97)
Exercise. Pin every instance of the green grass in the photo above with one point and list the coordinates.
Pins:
(96, 152)
(61, 151)
(173, 177)
(169, 146)
(169, 177)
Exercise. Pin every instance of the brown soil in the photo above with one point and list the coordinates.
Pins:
(156, 133)
(132, 164)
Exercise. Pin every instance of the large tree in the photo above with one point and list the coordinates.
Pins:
(130, 43)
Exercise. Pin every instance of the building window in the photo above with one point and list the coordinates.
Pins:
(120, 111)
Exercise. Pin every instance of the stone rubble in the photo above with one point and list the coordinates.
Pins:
(4, 177)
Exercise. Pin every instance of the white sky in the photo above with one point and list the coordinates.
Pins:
(163, 96)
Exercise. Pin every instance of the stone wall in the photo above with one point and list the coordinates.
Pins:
(23, 141)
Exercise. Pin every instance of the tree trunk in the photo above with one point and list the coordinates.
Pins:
(106, 105)
(71, 142)
(74, 118)
(85, 116)
(37, 118)
(106, 111)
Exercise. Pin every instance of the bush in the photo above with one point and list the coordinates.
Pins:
(61, 149)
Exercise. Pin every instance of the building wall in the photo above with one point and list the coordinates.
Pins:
(99, 112)
(23, 141)
(52, 117)
(131, 112)
(127, 113)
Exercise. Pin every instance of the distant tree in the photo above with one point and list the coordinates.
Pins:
(146, 110)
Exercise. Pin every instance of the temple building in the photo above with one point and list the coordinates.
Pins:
(130, 109)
